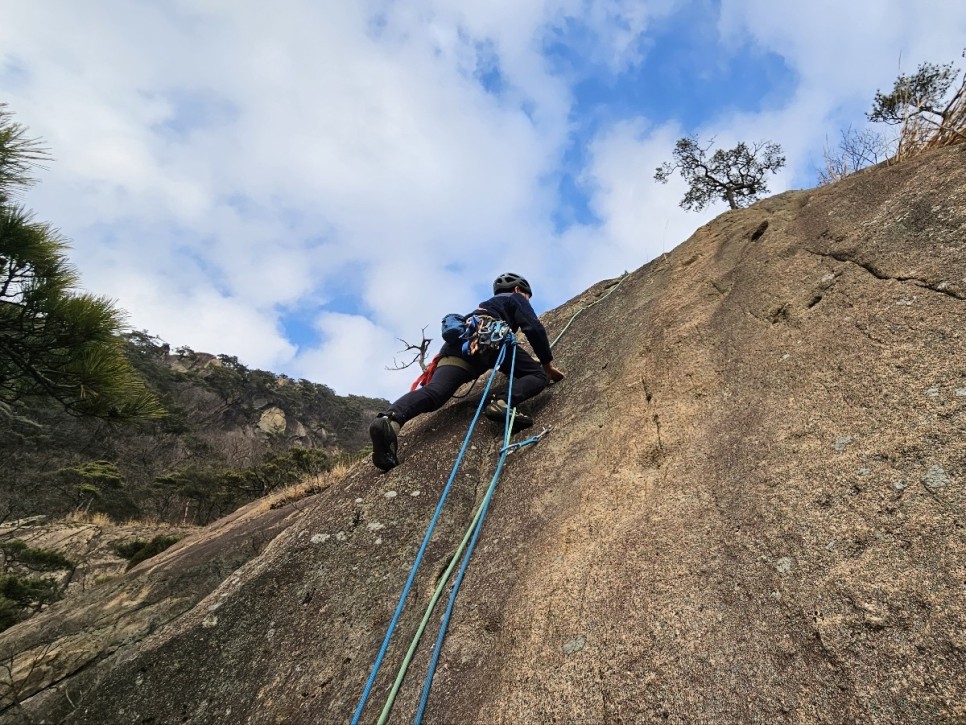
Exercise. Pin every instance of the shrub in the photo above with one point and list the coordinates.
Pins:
(37, 559)
(856, 150)
(19, 596)
(10, 613)
(138, 550)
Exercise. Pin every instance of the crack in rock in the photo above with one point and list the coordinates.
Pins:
(941, 287)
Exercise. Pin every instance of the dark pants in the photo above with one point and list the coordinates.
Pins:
(529, 378)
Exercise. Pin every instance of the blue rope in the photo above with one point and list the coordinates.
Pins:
(422, 549)
(504, 452)
(444, 624)
(507, 448)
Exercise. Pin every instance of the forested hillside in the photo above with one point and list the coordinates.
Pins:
(231, 435)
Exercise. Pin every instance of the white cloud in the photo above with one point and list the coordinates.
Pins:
(219, 164)
(841, 54)
(845, 47)
(354, 358)
(641, 219)
(218, 324)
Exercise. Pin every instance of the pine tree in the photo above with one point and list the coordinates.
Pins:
(922, 106)
(736, 175)
(55, 342)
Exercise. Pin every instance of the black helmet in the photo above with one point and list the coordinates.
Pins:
(507, 282)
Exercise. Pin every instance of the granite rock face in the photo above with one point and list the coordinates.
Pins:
(750, 508)
(90, 546)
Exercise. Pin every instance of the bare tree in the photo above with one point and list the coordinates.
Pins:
(419, 353)
(856, 150)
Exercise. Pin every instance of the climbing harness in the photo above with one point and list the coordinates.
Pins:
(440, 359)
(490, 336)
(475, 334)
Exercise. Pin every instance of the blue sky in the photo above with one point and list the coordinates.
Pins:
(301, 183)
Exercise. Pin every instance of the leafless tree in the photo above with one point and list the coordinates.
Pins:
(856, 150)
(17, 683)
(419, 353)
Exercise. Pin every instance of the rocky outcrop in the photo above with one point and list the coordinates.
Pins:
(90, 545)
(749, 509)
(224, 422)
(272, 421)
(54, 656)
(195, 362)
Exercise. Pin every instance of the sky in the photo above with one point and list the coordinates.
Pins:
(305, 183)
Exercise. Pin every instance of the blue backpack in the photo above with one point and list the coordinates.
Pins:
(453, 327)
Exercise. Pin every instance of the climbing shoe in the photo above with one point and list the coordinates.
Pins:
(383, 431)
(496, 411)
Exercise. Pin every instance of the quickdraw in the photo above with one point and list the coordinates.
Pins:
(529, 441)
(484, 333)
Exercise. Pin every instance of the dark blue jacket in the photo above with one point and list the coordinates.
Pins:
(515, 310)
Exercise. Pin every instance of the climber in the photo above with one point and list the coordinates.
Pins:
(456, 365)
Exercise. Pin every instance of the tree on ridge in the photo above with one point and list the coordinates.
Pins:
(918, 104)
(735, 175)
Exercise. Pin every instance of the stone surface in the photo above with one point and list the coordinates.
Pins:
(272, 421)
(89, 545)
(688, 543)
(50, 659)
(936, 478)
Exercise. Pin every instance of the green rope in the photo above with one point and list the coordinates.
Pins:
(444, 579)
(587, 307)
